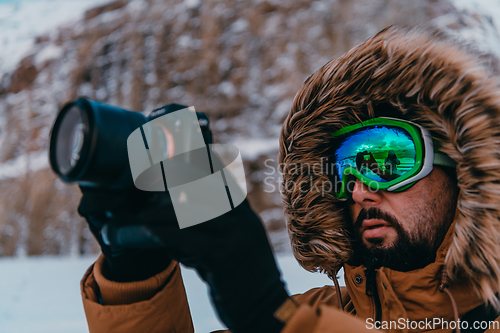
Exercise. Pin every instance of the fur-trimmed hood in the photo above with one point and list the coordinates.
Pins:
(431, 80)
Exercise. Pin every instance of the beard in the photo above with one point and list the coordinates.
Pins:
(410, 251)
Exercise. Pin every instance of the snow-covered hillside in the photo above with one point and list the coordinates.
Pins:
(22, 21)
(241, 62)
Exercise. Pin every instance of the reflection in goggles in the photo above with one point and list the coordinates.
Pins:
(381, 153)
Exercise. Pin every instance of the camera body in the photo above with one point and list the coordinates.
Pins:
(88, 142)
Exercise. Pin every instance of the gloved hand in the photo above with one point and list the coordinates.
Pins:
(102, 208)
(231, 253)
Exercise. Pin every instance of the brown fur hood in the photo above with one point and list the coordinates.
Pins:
(429, 79)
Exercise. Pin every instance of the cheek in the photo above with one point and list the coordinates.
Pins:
(422, 209)
(411, 207)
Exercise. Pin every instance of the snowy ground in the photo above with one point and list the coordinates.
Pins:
(41, 294)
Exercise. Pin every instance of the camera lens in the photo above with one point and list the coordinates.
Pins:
(77, 143)
(70, 140)
(88, 143)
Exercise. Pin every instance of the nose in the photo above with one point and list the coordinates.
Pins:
(365, 196)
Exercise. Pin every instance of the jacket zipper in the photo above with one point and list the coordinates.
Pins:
(371, 290)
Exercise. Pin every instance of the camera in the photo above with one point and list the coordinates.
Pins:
(88, 142)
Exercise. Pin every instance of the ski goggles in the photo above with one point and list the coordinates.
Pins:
(383, 153)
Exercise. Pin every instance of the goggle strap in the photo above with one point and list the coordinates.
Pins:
(444, 160)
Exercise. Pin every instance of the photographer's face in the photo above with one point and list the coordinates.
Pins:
(402, 230)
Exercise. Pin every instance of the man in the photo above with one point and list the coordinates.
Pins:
(420, 249)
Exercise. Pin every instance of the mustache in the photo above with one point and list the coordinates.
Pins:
(375, 213)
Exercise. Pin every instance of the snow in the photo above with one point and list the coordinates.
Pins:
(484, 32)
(251, 148)
(18, 166)
(191, 4)
(49, 52)
(42, 294)
(240, 25)
(489, 7)
(227, 88)
(23, 20)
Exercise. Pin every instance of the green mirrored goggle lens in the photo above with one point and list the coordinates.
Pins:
(382, 153)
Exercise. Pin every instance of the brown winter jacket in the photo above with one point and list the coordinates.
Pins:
(160, 304)
(417, 75)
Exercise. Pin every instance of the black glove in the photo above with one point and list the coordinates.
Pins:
(103, 208)
(231, 253)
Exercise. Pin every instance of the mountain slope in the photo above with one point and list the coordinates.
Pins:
(241, 62)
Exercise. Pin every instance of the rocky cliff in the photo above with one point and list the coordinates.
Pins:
(241, 62)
